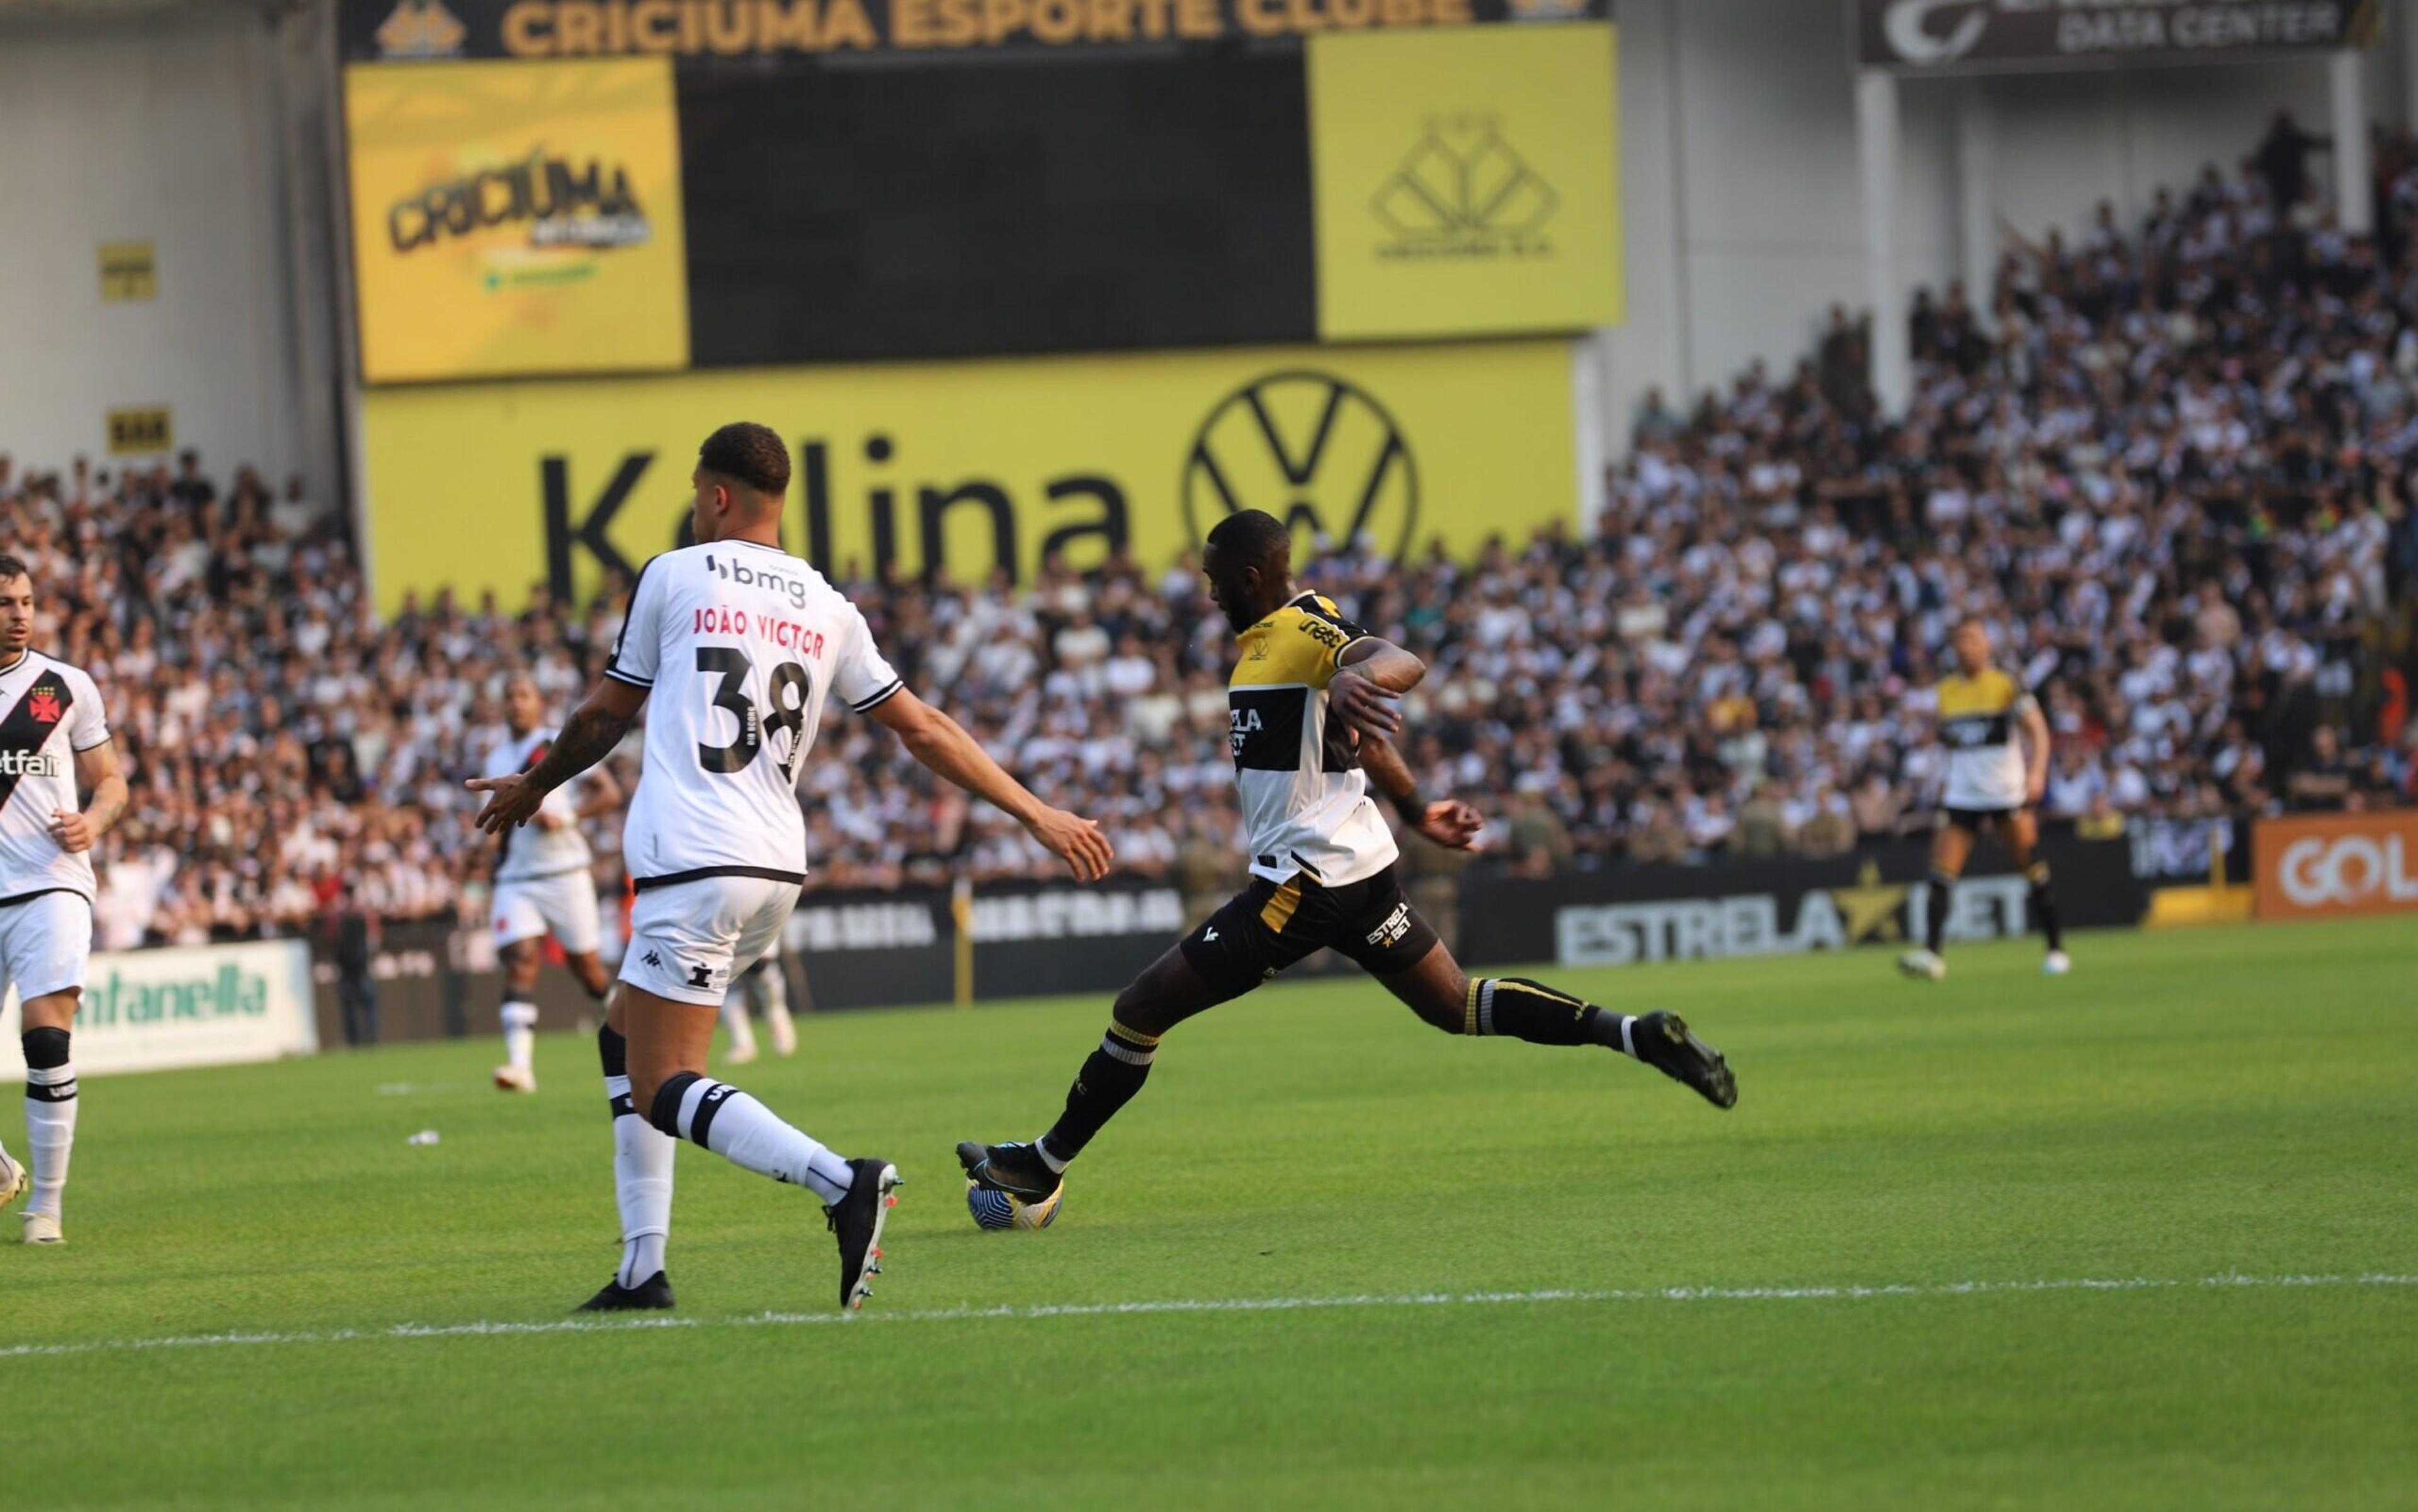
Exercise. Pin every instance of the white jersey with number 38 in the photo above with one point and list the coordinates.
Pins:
(740, 644)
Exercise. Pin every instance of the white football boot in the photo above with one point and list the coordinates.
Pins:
(43, 1228)
(515, 1080)
(1923, 963)
(15, 1180)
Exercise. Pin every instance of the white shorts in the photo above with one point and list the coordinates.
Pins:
(44, 943)
(686, 939)
(563, 905)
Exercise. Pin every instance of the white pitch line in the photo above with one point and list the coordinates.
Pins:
(1218, 1304)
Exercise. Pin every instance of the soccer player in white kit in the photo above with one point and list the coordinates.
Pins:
(738, 645)
(54, 740)
(543, 883)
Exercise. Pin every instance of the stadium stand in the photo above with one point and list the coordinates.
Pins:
(2173, 466)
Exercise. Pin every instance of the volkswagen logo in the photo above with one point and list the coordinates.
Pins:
(1317, 452)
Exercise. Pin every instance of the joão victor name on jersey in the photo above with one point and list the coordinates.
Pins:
(1753, 924)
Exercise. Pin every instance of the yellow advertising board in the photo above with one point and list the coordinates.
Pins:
(1464, 181)
(143, 431)
(975, 467)
(129, 272)
(518, 219)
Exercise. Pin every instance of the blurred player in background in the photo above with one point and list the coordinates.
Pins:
(53, 741)
(542, 882)
(1311, 712)
(733, 645)
(763, 989)
(1992, 784)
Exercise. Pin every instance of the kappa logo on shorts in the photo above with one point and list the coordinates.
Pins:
(1208, 935)
(652, 959)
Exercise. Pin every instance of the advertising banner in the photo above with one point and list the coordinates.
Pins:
(862, 950)
(153, 1010)
(2328, 865)
(1465, 181)
(976, 466)
(404, 30)
(1624, 915)
(1974, 35)
(517, 219)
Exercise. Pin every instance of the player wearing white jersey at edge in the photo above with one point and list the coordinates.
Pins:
(543, 883)
(54, 741)
(734, 645)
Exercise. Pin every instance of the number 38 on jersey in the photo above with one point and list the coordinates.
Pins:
(738, 644)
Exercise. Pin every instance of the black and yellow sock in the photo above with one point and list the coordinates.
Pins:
(2044, 907)
(1110, 1077)
(1934, 922)
(1534, 1011)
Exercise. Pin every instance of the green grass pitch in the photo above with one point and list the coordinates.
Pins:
(2185, 1107)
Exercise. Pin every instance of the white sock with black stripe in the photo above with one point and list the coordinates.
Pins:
(642, 1169)
(747, 1134)
(520, 1033)
(49, 1116)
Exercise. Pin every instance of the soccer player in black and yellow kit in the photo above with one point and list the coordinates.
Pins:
(1993, 782)
(1311, 714)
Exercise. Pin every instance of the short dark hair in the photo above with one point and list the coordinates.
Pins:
(747, 453)
(1254, 535)
(14, 566)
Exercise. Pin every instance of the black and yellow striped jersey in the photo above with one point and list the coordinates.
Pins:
(1305, 807)
(1978, 718)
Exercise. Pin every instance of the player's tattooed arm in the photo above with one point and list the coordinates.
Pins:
(1369, 680)
(96, 770)
(589, 736)
(939, 742)
(1446, 821)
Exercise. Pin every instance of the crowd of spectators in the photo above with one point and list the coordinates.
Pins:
(2171, 466)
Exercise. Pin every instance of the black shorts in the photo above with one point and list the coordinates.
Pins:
(1981, 820)
(1269, 926)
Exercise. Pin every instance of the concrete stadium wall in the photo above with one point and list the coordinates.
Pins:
(178, 131)
(1742, 208)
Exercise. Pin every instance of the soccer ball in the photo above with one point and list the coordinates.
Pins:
(997, 1210)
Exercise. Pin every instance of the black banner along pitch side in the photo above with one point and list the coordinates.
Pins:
(1626, 915)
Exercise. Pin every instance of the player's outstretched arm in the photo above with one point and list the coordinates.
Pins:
(932, 737)
(589, 736)
(1446, 821)
(1370, 677)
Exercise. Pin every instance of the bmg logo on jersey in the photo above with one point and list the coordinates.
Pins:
(733, 571)
(31, 764)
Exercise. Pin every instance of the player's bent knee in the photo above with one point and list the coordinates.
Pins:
(663, 1100)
